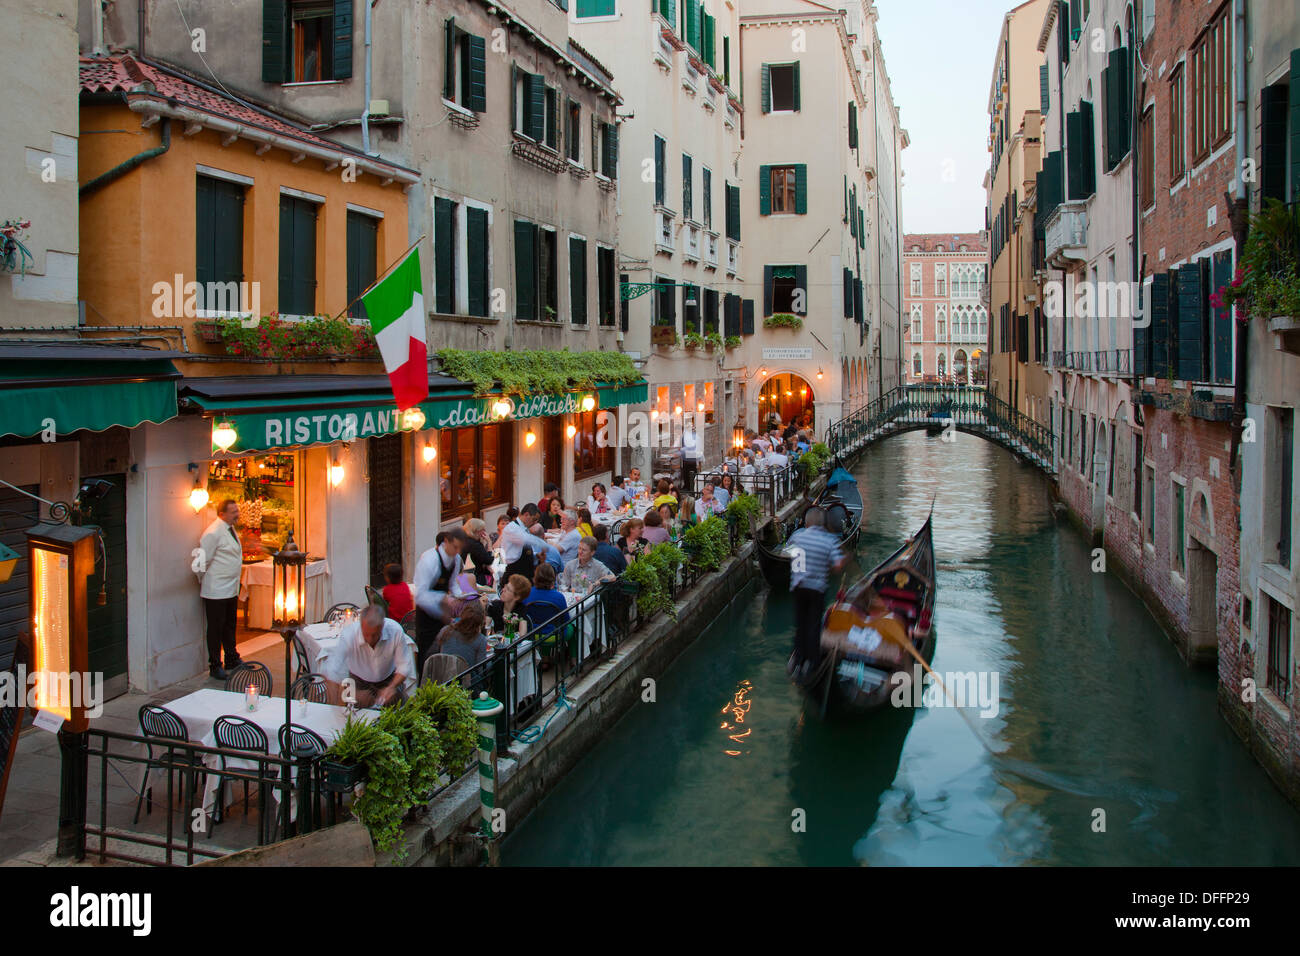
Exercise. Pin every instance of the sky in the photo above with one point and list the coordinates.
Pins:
(939, 56)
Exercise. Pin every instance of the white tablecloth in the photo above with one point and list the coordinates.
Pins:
(592, 626)
(321, 640)
(256, 586)
(201, 709)
(523, 676)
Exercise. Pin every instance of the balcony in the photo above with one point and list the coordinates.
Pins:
(691, 77)
(1066, 230)
(692, 250)
(664, 231)
(1058, 359)
(733, 258)
(732, 118)
(710, 250)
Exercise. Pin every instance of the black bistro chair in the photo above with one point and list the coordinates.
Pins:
(300, 653)
(249, 674)
(161, 727)
(236, 733)
(408, 624)
(376, 596)
(310, 687)
(335, 614)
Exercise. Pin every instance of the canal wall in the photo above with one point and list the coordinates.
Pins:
(444, 833)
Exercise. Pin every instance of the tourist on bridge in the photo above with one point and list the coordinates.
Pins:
(816, 555)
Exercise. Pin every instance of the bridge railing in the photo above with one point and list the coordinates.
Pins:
(968, 406)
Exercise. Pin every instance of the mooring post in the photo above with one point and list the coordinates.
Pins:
(486, 709)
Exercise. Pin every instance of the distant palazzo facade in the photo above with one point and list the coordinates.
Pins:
(945, 325)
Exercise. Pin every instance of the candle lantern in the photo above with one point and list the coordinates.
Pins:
(289, 567)
(737, 438)
(62, 558)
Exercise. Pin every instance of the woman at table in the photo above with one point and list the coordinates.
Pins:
(551, 519)
(544, 601)
(665, 494)
(478, 549)
(599, 503)
(709, 504)
(724, 488)
(584, 572)
(464, 637)
(631, 537)
(513, 594)
(502, 521)
(656, 530)
(585, 527)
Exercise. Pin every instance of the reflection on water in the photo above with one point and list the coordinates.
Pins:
(1096, 712)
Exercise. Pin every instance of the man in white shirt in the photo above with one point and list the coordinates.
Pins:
(374, 653)
(515, 536)
(776, 459)
(570, 539)
(434, 573)
(219, 570)
(634, 486)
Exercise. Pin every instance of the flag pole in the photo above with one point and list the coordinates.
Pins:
(383, 275)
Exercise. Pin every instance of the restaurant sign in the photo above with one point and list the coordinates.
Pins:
(771, 355)
(310, 426)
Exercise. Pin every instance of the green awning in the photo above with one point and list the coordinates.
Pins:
(282, 421)
(68, 396)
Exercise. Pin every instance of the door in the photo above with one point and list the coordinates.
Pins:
(17, 514)
(1202, 592)
(552, 452)
(106, 623)
(385, 491)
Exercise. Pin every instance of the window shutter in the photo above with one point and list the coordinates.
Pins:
(476, 259)
(525, 270)
(624, 307)
(535, 106)
(801, 285)
(1221, 319)
(853, 212)
(660, 185)
(747, 317)
(1089, 148)
(611, 150)
(1063, 32)
(1159, 326)
(690, 317)
(1142, 337)
(710, 57)
(853, 126)
(342, 39)
(764, 190)
(444, 246)
(1044, 91)
(551, 124)
(578, 281)
(848, 294)
(275, 41)
(1273, 134)
(477, 99)
(845, 217)
(1079, 153)
(514, 98)
(1295, 124)
(731, 315)
(726, 61)
(1191, 323)
(858, 309)
(767, 290)
(670, 304)
(766, 104)
(687, 178)
(862, 229)
(796, 87)
(449, 60)
(1075, 10)
(801, 189)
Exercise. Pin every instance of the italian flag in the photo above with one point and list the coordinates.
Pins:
(395, 308)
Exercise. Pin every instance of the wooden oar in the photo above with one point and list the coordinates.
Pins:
(905, 643)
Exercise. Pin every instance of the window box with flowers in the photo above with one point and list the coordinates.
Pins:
(1267, 281)
(319, 337)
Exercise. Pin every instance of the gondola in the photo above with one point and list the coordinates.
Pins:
(842, 502)
(939, 418)
(893, 600)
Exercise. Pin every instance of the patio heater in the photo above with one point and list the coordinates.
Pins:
(289, 597)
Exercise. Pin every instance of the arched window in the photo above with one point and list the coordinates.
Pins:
(916, 365)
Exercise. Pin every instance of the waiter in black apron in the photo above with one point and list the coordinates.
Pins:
(434, 573)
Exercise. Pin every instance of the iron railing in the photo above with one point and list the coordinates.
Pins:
(970, 408)
(774, 488)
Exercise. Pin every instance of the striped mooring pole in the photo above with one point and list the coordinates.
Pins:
(486, 710)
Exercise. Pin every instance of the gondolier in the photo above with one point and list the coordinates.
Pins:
(816, 554)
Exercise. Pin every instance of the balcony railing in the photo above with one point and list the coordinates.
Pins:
(1067, 235)
(1058, 359)
(664, 231)
(692, 250)
(733, 257)
(691, 77)
(1103, 360)
(711, 250)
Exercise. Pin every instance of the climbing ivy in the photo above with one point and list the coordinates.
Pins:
(537, 372)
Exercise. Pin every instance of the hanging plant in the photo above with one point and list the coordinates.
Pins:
(386, 798)
(694, 340)
(1267, 282)
(537, 372)
(449, 708)
(14, 255)
(708, 542)
(783, 320)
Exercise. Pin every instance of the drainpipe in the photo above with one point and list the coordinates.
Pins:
(140, 19)
(365, 107)
(1239, 214)
(120, 170)
(97, 27)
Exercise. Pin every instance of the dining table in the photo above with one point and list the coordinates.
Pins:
(201, 709)
(320, 641)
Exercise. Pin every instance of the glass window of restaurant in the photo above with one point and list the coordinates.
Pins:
(590, 457)
(476, 468)
(271, 499)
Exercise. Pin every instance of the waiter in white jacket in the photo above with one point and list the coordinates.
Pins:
(219, 569)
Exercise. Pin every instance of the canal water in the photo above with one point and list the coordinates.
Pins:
(1105, 748)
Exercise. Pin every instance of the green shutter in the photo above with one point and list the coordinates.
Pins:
(449, 60)
(795, 79)
(1272, 142)
(747, 317)
(1081, 176)
(477, 98)
(1191, 322)
(1295, 124)
(577, 281)
(1142, 336)
(611, 150)
(733, 212)
(767, 290)
(342, 39)
(661, 184)
(1089, 148)
(525, 270)
(766, 98)
(853, 125)
(534, 107)
(859, 311)
(514, 98)
(1075, 9)
(551, 128)
(801, 189)
(476, 259)
(848, 293)
(691, 16)
(845, 217)
(362, 240)
(853, 212)
(764, 190)
(726, 61)
(687, 178)
(297, 256)
(1044, 91)
(275, 41)
(444, 256)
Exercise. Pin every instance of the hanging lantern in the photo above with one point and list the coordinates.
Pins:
(502, 407)
(62, 558)
(224, 435)
(588, 402)
(198, 497)
(413, 418)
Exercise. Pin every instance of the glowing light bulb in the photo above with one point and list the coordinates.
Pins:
(571, 431)
(413, 418)
(198, 497)
(530, 438)
(336, 474)
(224, 435)
(588, 403)
(430, 451)
(699, 407)
(502, 407)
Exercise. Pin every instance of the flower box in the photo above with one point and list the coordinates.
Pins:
(663, 335)
(207, 332)
(339, 777)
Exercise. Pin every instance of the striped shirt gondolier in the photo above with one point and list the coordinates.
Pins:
(813, 551)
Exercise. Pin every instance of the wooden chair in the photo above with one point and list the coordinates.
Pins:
(249, 674)
(442, 668)
(160, 724)
(244, 736)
